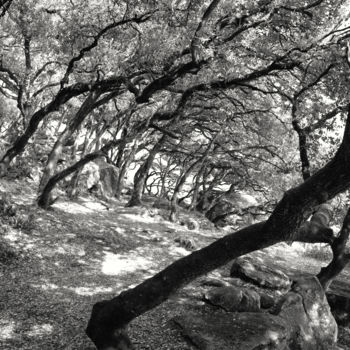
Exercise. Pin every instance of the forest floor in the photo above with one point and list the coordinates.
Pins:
(84, 251)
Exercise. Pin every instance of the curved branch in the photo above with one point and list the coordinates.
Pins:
(195, 44)
(136, 19)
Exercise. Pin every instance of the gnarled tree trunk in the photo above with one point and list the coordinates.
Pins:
(73, 125)
(124, 167)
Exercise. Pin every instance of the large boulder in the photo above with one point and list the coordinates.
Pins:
(101, 178)
(90, 175)
(229, 207)
(108, 179)
(262, 275)
(233, 299)
(306, 310)
(235, 331)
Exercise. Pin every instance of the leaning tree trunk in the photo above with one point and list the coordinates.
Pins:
(73, 186)
(109, 318)
(141, 174)
(182, 180)
(44, 198)
(178, 188)
(18, 146)
(123, 169)
(73, 125)
(196, 187)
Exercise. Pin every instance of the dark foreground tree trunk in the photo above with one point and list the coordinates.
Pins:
(110, 317)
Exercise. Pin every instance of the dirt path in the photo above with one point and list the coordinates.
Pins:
(85, 251)
(78, 254)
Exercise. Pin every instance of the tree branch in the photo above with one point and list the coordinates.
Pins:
(136, 19)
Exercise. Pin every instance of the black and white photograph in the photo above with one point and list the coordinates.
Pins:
(174, 174)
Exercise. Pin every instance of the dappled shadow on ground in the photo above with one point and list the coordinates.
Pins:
(78, 254)
(84, 251)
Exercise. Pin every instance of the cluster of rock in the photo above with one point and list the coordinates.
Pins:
(255, 318)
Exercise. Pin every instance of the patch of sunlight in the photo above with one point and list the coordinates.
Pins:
(179, 251)
(88, 291)
(78, 290)
(12, 235)
(7, 329)
(136, 217)
(116, 264)
(40, 329)
(70, 249)
(29, 246)
(46, 286)
(74, 208)
(273, 335)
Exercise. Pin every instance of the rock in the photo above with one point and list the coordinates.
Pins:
(214, 282)
(302, 321)
(229, 205)
(339, 301)
(258, 274)
(108, 179)
(91, 174)
(240, 331)
(266, 301)
(162, 203)
(306, 310)
(234, 299)
(222, 207)
(186, 243)
(192, 224)
(101, 176)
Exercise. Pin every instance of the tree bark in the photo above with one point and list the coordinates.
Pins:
(182, 180)
(179, 185)
(111, 316)
(197, 186)
(72, 191)
(340, 256)
(302, 136)
(141, 174)
(124, 167)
